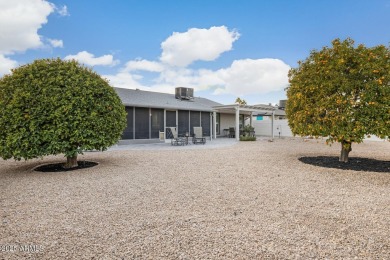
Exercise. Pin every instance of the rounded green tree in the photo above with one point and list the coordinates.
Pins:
(341, 92)
(54, 107)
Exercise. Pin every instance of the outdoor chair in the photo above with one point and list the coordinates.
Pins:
(175, 139)
(232, 132)
(198, 136)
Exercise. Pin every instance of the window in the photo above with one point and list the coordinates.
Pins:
(183, 123)
(194, 120)
(170, 122)
(129, 130)
(142, 119)
(206, 123)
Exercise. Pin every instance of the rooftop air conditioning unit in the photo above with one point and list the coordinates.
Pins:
(282, 104)
(184, 93)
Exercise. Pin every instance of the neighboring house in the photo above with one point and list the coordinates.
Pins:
(151, 114)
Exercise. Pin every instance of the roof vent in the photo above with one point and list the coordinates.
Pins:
(184, 93)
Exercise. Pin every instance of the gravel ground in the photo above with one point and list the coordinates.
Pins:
(250, 200)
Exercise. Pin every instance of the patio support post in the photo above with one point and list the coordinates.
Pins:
(272, 124)
(133, 122)
(237, 123)
(214, 126)
(250, 119)
(165, 124)
(150, 123)
(177, 121)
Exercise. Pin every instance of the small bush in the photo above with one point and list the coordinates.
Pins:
(247, 138)
(248, 128)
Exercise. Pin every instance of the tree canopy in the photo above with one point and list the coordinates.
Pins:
(341, 92)
(240, 101)
(53, 106)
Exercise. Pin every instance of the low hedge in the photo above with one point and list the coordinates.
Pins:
(247, 138)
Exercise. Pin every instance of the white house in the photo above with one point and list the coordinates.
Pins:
(150, 114)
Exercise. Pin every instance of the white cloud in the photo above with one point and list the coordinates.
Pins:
(19, 24)
(56, 43)
(124, 80)
(242, 77)
(198, 79)
(177, 76)
(63, 11)
(131, 81)
(181, 49)
(89, 59)
(6, 65)
(144, 65)
(209, 79)
(249, 76)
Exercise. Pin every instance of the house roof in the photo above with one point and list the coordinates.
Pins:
(141, 98)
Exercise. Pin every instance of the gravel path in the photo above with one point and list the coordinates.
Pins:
(250, 200)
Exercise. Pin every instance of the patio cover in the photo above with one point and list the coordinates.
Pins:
(238, 109)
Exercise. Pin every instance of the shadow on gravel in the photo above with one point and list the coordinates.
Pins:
(355, 163)
(59, 167)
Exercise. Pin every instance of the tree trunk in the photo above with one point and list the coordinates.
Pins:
(71, 162)
(346, 147)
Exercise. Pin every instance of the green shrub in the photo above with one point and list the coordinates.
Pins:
(247, 138)
(341, 93)
(54, 107)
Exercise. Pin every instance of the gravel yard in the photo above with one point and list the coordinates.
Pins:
(250, 200)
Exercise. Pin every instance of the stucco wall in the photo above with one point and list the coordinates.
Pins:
(263, 127)
(227, 120)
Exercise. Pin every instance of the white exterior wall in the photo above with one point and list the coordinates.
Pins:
(227, 120)
(282, 127)
(263, 127)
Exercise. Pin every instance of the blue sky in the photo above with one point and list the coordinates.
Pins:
(223, 49)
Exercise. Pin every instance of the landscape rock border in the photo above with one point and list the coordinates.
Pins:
(355, 163)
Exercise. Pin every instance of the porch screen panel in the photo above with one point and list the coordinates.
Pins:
(157, 122)
(129, 130)
(206, 123)
(141, 123)
(183, 123)
(170, 122)
(194, 120)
